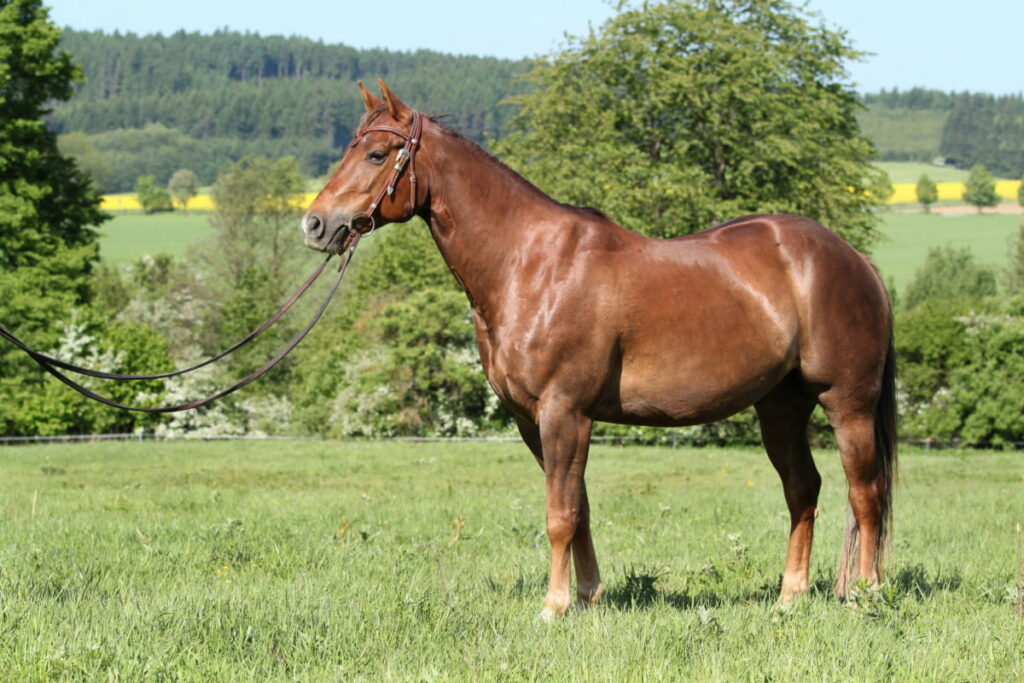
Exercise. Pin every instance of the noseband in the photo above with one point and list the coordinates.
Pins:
(406, 154)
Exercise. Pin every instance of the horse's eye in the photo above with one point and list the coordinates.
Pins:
(376, 157)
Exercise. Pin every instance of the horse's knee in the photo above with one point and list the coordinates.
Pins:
(562, 527)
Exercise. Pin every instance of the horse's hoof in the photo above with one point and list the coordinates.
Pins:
(587, 599)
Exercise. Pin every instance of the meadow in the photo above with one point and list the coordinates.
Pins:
(325, 560)
(910, 235)
(911, 171)
(129, 236)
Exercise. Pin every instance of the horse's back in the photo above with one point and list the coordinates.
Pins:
(710, 322)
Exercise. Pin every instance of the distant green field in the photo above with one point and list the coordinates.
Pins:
(129, 236)
(911, 171)
(911, 234)
(335, 561)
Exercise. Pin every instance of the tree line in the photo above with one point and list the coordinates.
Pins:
(153, 104)
(149, 105)
(965, 128)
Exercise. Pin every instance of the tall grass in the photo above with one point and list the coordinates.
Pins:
(327, 561)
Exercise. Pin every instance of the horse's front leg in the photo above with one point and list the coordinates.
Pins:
(565, 439)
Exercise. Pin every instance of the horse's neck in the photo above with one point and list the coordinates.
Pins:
(482, 215)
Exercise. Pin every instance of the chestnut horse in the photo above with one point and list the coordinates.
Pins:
(579, 319)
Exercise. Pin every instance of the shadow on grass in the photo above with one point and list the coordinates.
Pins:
(639, 590)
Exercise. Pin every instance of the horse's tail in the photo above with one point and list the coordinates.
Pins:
(885, 457)
(885, 444)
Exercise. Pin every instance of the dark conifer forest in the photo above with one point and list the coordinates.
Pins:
(153, 104)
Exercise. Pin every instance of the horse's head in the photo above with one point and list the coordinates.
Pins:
(376, 180)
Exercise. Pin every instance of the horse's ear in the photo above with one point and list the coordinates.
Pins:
(397, 108)
(369, 99)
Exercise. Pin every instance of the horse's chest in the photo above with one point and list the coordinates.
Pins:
(524, 359)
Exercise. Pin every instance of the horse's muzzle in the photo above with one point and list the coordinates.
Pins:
(323, 236)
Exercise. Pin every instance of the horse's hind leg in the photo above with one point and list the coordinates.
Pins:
(588, 577)
(855, 434)
(783, 416)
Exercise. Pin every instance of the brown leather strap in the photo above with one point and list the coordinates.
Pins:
(405, 154)
(46, 365)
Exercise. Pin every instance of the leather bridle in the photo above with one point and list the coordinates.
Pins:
(406, 155)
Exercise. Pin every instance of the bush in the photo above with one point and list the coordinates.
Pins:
(151, 197)
(960, 369)
(949, 273)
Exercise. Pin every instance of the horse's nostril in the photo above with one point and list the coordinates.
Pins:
(314, 226)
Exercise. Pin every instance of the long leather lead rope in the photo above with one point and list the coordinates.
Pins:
(45, 363)
(55, 362)
(406, 155)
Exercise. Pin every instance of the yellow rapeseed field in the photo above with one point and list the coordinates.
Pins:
(906, 193)
(201, 202)
(902, 193)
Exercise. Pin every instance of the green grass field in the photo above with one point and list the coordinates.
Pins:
(911, 172)
(130, 236)
(910, 235)
(336, 561)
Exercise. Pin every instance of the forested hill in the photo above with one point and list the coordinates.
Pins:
(199, 101)
(154, 104)
(966, 128)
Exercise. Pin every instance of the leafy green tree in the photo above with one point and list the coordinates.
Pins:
(980, 188)
(676, 115)
(48, 206)
(258, 205)
(949, 273)
(419, 374)
(152, 197)
(390, 267)
(183, 186)
(409, 364)
(251, 262)
(927, 192)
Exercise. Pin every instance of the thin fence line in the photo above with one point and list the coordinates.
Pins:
(673, 440)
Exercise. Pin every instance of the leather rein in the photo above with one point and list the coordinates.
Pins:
(54, 366)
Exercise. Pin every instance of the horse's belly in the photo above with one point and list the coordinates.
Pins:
(684, 391)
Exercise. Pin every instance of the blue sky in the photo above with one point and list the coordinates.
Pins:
(949, 46)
